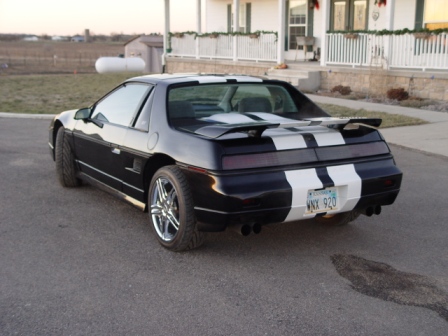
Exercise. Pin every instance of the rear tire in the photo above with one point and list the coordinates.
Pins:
(171, 210)
(339, 219)
(65, 161)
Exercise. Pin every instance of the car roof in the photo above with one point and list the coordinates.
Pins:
(194, 77)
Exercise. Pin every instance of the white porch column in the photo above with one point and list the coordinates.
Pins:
(281, 31)
(390, 12)
(325, 7)
(166, 30)
(198, 17)
(198, 25)
(236, 27)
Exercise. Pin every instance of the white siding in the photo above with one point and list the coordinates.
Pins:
(381, 23)
(317, 27)
(405, 14)
(264, 15)
(216, 15)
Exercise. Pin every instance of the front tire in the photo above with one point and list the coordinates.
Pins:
(171, 210)
(65, 161)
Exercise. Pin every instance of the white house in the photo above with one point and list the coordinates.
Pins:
(349, 42)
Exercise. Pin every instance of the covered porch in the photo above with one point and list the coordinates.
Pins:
(422, 51)
(370, 62)
(408, 51)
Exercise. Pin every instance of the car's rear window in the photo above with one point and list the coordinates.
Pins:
(236, 103)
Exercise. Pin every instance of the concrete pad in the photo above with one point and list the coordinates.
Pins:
(430, 138)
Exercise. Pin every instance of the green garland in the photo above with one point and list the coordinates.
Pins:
(390, 32)
(258, 32)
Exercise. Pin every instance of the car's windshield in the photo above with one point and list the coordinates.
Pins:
(237, 103)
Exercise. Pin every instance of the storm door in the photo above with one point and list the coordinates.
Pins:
(349, 15)
(297, 21)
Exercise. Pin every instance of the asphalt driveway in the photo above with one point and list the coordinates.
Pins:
(80, 262)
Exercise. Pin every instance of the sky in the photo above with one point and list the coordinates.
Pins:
(56, 17)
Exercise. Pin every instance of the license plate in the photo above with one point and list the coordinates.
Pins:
(322, 200)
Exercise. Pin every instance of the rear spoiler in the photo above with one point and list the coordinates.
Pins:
(256, 129)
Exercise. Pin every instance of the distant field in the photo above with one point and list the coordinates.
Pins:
(45, 57)
(57, 93)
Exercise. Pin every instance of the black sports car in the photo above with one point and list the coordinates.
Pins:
(206, 152)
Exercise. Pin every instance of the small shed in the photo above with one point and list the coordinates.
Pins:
(149, 48)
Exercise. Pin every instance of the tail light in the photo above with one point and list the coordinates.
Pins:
(306, 155)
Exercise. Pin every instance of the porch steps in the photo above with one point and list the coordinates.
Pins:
(305, 80)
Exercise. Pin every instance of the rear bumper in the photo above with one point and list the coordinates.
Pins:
(280, 196)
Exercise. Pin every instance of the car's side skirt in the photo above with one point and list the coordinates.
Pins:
(112, 191)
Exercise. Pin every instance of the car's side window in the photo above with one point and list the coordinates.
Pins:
(142, 120)
(121, 105)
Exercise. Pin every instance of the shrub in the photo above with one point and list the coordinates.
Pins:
(343, 90)
(397, 94)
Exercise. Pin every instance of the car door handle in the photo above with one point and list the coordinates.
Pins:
(115, 150)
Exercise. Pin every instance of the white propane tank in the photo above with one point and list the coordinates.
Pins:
(118, 64)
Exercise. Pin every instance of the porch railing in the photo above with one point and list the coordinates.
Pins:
(417, 51)
(262, 47)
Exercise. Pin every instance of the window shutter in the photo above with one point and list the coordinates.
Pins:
(229, 18)
(286, 25)
(419, 14)
(248, 17)
(309, 25)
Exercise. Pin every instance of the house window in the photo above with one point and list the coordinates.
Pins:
(244, 18)
(297, 21)
(349, 14)
(435, 14)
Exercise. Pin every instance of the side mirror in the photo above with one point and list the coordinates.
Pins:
(83, 114)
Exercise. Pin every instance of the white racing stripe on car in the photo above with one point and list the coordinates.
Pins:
(350, 182)
(284, 139)
(301, 181)
(329, 138)
(210, 79)
(344, 177)
(245, 79)
(283, 122)
(229, 118)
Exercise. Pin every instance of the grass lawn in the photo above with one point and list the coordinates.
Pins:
(42, 94)
(51, 94)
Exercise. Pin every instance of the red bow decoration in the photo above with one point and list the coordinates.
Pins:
(380, 2)
(315, 3)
